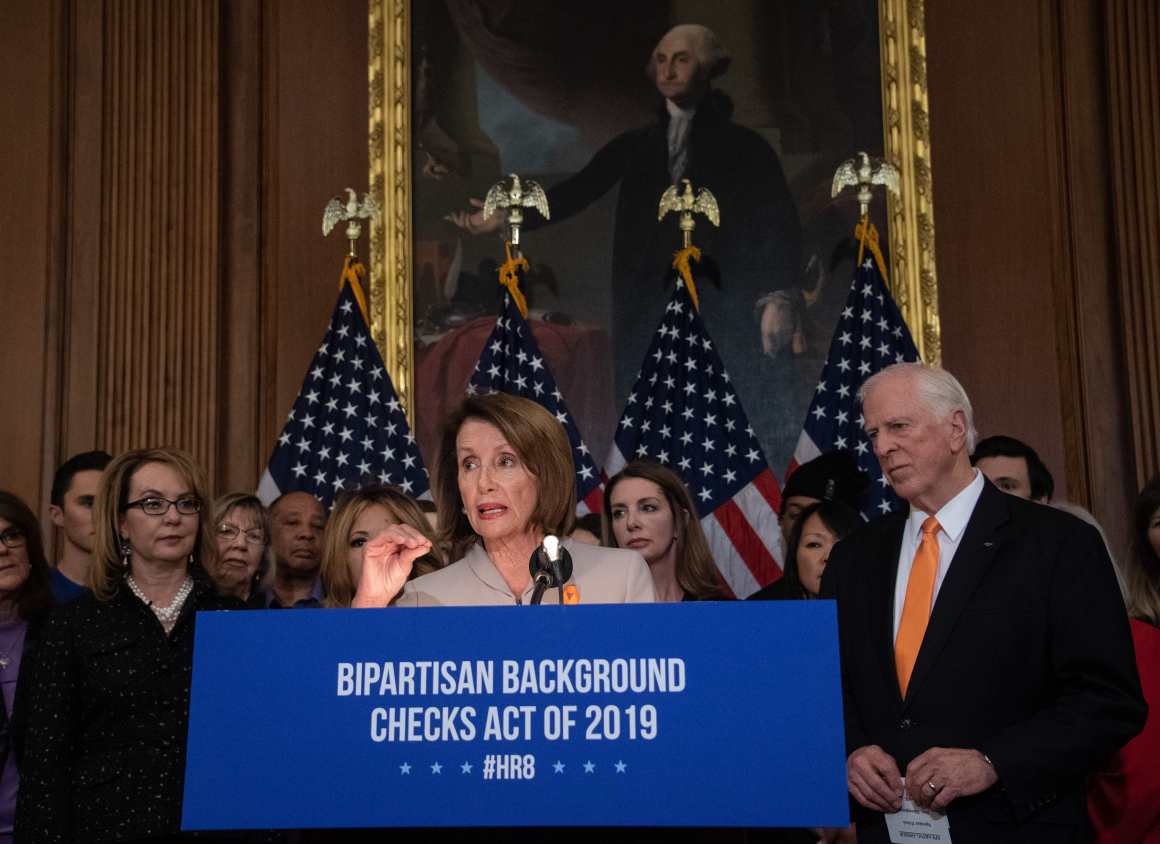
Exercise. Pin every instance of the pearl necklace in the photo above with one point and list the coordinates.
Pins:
(167, 615)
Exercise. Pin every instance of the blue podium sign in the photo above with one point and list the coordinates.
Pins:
(705, 714)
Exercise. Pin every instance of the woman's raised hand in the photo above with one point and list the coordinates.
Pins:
(387, 561)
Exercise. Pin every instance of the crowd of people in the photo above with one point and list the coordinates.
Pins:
(995, 665)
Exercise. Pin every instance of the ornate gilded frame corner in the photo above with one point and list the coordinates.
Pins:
(906, 121)
(906, 118)
(389, 72)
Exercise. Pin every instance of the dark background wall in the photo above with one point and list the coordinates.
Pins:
(173, 159)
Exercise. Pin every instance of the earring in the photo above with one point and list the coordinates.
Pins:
(126, 550)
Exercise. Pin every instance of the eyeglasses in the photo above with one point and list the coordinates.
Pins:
(228, 532)
(156, 506)
(13, 538)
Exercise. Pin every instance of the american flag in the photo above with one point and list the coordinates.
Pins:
(511, 362)
(870, 336)
(347, 427)
(683, 412)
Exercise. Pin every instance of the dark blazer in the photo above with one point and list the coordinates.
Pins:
(1027, 658)
(104, 744)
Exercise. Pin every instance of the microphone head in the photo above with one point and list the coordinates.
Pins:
(564, 566)
(551, 562)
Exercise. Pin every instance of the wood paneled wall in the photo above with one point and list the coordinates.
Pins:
(164, 276)
(1133, 33)
(1028, 283)
(31, 255)
(160, 263)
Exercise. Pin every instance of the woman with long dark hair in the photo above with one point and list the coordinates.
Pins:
(25, 598)
(818, 529)
(648, 509)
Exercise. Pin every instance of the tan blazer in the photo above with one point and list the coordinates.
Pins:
(599, 575)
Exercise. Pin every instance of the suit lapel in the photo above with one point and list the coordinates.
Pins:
(882, 601)
(974, 556)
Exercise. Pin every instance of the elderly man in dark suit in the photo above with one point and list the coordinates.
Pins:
(986, 658)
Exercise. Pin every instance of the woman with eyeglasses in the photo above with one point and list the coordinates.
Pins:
(243, 547)
(105, 748)
(25, 599)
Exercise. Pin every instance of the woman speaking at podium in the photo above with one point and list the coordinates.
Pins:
(504, 481)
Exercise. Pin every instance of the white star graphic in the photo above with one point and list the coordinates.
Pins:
(404, 769)
(620, 766)
(558, 767)
(436, 768)
(589, 767)
(465, 767)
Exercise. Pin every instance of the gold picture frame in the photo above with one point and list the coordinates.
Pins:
(907, 145)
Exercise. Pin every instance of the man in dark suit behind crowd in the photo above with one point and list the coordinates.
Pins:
(986, 656)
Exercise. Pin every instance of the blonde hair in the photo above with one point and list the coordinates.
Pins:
(250, 503)
(112, 497)
(337, 579)
(539, 440)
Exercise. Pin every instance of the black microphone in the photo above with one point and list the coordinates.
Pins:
(550, 566)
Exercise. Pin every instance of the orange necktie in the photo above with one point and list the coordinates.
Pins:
(916, 608)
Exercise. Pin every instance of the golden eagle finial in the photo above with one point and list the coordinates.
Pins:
(863, 172)
(352, 211)
(515, 195)
(686, 204)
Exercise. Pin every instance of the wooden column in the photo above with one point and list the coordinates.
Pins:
(1133, 36)
(157, 350)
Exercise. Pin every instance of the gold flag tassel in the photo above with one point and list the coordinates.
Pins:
(682, 263)
(867, 236)
(509, 277)
(353, 273)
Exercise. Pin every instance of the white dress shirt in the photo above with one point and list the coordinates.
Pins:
(680, 121)
(952, 520)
